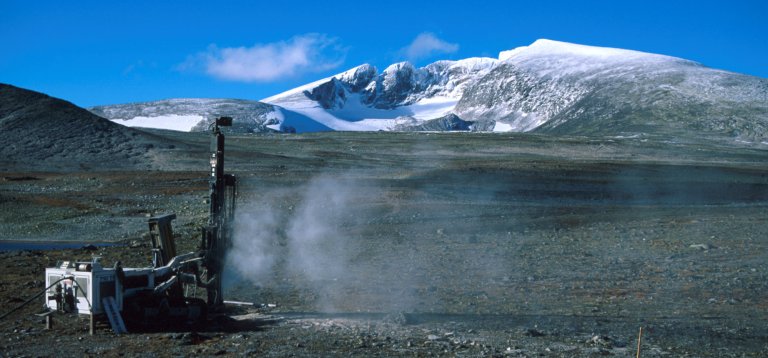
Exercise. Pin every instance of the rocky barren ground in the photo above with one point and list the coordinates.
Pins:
(405, 244)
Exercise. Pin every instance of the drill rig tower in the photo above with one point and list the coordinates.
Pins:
(217, 235)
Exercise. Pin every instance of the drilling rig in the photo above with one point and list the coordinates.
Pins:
(216, 237)
(157, 294)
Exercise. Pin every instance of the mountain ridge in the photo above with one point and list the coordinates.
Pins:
(547, 86)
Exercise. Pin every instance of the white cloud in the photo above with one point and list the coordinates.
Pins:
(269, 62)
(426, 45)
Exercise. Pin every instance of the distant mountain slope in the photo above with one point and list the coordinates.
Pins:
(194, 114)
(39, 131)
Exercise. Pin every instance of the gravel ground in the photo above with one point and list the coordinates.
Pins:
(424, 245)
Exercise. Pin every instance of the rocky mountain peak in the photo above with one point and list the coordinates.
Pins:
(359, 77)
(396, 83)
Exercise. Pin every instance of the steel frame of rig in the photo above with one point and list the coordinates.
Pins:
(156, 295)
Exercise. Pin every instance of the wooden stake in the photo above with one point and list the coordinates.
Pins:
(639, 339)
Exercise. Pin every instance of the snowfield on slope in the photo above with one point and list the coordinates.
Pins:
(183, 123)
(355, 116)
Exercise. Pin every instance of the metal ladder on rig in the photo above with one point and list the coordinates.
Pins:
(113, 314)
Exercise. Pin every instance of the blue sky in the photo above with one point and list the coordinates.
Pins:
(101, 52)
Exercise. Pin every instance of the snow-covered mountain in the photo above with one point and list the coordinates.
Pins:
(402, 95)
(548, 86)
(558, 87)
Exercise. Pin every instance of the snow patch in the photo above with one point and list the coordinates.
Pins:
(356, 116)
(502, 127)
(182, 123)
(278, 116)
(544, 47)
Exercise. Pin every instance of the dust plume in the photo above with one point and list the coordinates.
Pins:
(357, 242)
(254, 247)
(306, 234)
